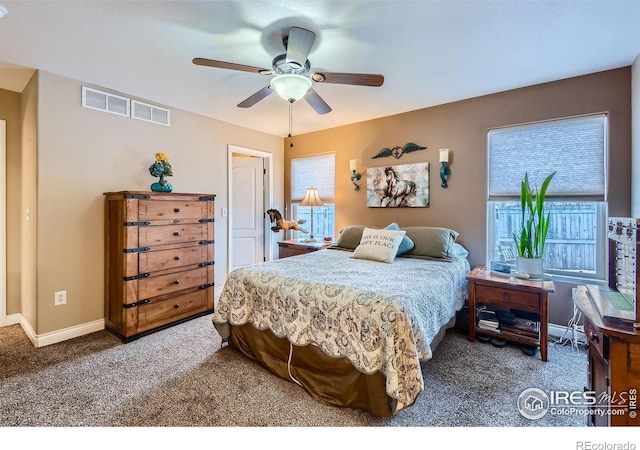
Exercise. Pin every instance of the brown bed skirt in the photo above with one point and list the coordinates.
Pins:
(331, 381)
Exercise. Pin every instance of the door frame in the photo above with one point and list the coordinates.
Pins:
(268, 198)
(3, 222)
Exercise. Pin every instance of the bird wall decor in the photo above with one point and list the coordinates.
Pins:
(398, 151)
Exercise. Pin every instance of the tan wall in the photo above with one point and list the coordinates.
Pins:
(462, 127)
(29, 187)
(10, 111)
(83, 153)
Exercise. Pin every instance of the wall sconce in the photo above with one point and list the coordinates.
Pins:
(355, 176)
(444, 170)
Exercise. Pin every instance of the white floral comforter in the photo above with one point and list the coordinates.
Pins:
(382, 317)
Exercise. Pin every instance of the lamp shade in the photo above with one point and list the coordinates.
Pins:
(311, 198)
(290, 86)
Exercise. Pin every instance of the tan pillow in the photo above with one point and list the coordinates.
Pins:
(349, 238)
(431, 243)
(379, 245)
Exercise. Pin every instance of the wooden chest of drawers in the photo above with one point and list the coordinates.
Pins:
(159, 260)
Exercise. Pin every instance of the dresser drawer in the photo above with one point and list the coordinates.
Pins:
(596, 338)
(525, 301)
(165, 284)
(172, 210)
(170, 259)
(171, 234)
(156, 314)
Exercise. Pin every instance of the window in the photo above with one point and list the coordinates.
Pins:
(575, 149)
(319, 172)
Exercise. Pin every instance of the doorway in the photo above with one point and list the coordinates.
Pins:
(249, 196)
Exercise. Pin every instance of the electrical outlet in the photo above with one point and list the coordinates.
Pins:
(60, 298)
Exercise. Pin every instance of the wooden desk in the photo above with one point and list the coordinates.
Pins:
(504, 292)
(613, 371)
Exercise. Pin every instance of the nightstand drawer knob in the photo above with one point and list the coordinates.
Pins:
(177, 282)
(177, 258)
(176, 306)
(176, 210)
(176, 233)
(594, 337)
(505, 295)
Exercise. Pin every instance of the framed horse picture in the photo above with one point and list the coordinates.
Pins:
(400, 186)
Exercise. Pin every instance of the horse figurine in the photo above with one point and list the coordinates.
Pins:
(275, 216)
(398, 191)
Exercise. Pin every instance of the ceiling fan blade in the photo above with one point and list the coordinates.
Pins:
(299, 45)
(359, 79)
(317, 102)
(229, 65)
(255, 98)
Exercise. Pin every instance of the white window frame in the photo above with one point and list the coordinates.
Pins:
(601, 249)
(326, 199)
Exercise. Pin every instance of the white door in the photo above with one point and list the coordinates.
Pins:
(247, 210)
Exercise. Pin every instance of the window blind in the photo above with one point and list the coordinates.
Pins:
(575, 148)
(314, 171)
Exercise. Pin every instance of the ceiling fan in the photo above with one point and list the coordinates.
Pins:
(292, 72)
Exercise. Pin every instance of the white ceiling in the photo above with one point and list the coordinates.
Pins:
(430, 52)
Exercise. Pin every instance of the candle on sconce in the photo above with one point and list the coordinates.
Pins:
(444, 155)
(352, 165)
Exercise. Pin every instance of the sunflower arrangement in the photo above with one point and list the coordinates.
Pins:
(161, 167)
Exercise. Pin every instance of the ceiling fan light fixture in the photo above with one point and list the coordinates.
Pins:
(3, 11)
(291, 87)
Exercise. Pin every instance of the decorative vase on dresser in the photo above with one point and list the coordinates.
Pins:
(159, 260)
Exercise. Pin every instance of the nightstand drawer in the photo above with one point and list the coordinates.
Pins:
(526, 301)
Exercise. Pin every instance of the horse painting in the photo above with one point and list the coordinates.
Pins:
(399, 186)
(281, 224)
(398, 192)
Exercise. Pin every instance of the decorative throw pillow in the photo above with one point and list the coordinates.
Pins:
(431, 243)
(349, 238)
(406, 244)
(379, 245)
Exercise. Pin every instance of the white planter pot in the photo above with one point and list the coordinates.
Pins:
(532, 266)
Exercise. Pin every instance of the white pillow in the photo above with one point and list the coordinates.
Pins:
(379, 245)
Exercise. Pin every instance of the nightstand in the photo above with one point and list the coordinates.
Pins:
(293, 248)
(505, 292)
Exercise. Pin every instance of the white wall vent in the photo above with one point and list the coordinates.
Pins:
(150, 113)
(105, 101)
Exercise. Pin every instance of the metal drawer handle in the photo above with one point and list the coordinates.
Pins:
(177, 258)
(176, 233)
(176, 210)
(505, 295)
(176, 282)
(594, 337)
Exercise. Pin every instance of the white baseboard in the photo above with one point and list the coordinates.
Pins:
(561, 331)
(10, 320)
(41, 340)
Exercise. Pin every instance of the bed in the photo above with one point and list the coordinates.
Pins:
(349, 328)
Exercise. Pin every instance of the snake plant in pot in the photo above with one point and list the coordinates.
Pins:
(535, 224)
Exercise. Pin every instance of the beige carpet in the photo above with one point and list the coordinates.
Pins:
(181, 377)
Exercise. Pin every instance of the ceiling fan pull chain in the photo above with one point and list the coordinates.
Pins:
(290, 124)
